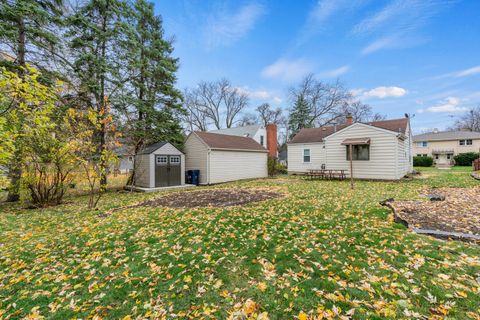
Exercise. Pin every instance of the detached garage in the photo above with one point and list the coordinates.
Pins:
(222, 158)
(159, 165)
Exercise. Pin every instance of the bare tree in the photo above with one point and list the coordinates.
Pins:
(324, 100)
(360, 112)
(247, 119)
(268, 115)
(216, 104)
(469, 121)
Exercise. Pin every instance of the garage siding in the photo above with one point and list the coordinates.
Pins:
(196, 155)
(235, 165)
(383, 153)
(295, 157)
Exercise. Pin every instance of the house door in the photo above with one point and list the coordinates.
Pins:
(167, 170)
(441, 159)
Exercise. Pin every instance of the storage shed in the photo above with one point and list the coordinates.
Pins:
(159, 165)
(222, 158)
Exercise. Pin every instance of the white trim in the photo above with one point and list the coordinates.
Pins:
(356, 124)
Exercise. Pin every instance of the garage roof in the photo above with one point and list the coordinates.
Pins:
(228, 142)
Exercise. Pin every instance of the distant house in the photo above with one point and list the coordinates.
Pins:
(125, 159)
(283, 157)
(381, 149)
(222, 158)
(444, 145)
(265, 136)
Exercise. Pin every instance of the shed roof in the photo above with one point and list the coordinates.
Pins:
(151, 148)
(307, 135)
(446, 135)
(229, 142)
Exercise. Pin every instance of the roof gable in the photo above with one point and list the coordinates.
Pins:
(446, 136)
(309, 135)
(154, 147)
(229, 142)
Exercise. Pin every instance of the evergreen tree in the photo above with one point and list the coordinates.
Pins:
(94, 36)
(151, 102)
(27, 30)
(299, 117)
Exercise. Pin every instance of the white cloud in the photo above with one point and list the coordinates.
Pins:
(468, 72)
(382, 43)
(450, 104)
(385, 92)
(284, 69)
(224, 28)
(277, 100)
(336, 72)
(259, 94)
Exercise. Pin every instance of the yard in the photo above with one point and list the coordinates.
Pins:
(318, 250)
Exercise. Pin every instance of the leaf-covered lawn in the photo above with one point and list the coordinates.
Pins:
(323, 251)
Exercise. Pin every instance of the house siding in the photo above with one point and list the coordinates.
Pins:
(446, 145)
(295, 157)
(236, 165)
(196, 157)
(383, 153)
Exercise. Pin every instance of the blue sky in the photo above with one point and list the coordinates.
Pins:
(415, 56)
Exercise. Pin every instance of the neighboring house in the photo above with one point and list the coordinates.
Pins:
(125, 159)
(222, 158)
(265, 136)
(444, 145)
(159, 165)
(381, 149)
(283, 157)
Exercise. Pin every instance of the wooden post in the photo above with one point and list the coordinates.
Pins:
(350, 148)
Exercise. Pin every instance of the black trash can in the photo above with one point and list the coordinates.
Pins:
(195, 177)
(188, 177)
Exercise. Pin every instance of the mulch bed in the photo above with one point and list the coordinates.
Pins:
(211, 198)
(459, 212)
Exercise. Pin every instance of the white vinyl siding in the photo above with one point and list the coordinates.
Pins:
(383, 153)
(295, 157)
(196, 157)
(236, 165)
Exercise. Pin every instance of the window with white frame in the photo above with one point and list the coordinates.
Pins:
(306, 155)
(466, 142)
(422, 144)
(162, 159)
(174, 159)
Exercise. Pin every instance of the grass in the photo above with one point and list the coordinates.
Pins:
(322, 250)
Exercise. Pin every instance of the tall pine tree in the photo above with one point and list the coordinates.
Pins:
(28, 32)
(95, 34)
(150, 100)
(299, 117)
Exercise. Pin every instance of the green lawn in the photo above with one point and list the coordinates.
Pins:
(322, 250)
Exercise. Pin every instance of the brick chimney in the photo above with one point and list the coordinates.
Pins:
(349, 119)
(271, 129)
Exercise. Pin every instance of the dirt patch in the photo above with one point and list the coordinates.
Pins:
(211, 198)
(459, 212)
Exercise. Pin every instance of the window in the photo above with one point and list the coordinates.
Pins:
(419, 155)
(425, 155)
(467, 142)
(436, 157)
(306, 155)
(360, 152)
(449, 156)
(130, 159)
(162, 159)
(422, 144)
(174, 159)
(261, 140)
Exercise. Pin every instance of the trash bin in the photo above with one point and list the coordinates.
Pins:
(188, 177)
(195, 177)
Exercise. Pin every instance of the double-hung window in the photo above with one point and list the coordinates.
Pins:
(306, 155)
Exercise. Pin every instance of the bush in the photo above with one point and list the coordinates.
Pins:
(271, 166)
(422, 161)
(281, 169)
(465, 159)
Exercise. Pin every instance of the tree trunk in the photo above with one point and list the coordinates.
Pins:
(15, 170)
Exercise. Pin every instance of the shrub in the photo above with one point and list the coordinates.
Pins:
(465, 159)
(271, 166)
(422, 161)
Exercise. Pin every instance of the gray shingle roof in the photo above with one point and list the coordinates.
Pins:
(229, 142)
(151, 148)
(245, 131)
(446, 135)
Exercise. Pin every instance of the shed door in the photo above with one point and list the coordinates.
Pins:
(167, 170)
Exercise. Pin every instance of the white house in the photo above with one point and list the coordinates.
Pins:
(222, 158)
(159, 165)
(381, 149)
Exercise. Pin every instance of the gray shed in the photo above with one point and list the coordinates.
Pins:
(159, 165)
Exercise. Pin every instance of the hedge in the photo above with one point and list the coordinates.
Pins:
(465, 159)
(422, 161)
